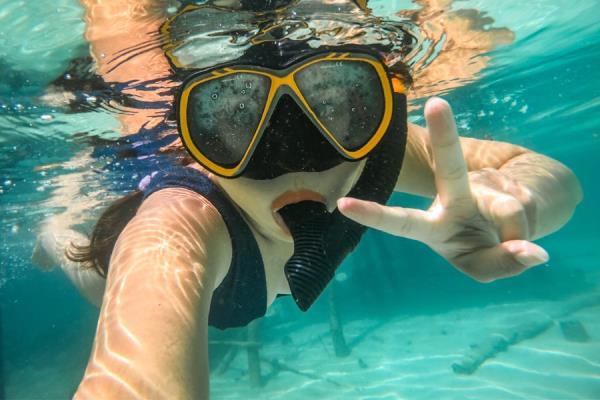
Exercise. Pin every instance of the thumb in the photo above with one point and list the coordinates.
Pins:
(501, 261)
(526, 253)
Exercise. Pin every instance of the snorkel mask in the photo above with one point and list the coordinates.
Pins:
(285, 106)
(224, 112)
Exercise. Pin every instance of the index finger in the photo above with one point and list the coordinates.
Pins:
(450, 169)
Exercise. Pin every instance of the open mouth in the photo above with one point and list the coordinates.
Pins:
(292, 197)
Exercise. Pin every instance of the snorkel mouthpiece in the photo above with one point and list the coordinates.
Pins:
(321, 242)
(309, 270)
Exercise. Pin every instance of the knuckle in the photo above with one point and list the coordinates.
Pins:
(405, 225)
(507, 207)
(508, 266)
(453, 172)
(377, 215)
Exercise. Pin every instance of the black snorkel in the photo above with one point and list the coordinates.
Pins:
(322, 240)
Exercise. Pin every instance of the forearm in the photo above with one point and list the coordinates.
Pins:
(125, 42)
(151, 340)
(554, 188)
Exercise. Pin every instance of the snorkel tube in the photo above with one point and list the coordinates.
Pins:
(322, 240)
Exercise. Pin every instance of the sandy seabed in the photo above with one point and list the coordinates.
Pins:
(401, 358)
(412, 358)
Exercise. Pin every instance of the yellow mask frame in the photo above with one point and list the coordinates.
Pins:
(284, 82)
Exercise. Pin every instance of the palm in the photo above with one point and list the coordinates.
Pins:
(459, 232)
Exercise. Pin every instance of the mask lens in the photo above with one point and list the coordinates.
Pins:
(223, 115)
(346, 96)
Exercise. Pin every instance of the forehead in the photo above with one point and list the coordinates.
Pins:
(199, 37)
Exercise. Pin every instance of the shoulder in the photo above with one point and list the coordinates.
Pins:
(177, 200)
(187, 223)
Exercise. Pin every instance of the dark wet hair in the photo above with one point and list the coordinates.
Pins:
(264, 5)
(111, 223)
(113, 220)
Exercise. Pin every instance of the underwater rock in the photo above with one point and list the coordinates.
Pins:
(574, 331)
(478, 353)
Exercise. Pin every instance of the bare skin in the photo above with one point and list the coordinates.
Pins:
(490, 200)
(151, 340)
(486, 208)
(479, 221)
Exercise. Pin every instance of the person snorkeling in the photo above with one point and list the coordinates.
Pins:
(295, 147)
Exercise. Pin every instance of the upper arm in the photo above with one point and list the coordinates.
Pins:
(151, 339)
(416, 176)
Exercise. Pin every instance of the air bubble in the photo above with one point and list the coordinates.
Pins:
(248, 85)
(214, 96)
(242, 106)
(353, 109)
(46, 117)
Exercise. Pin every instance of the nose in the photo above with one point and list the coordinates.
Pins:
(291, 143)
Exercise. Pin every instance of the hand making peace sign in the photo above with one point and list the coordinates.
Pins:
(478, 220)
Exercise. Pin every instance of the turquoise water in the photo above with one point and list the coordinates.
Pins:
(408, 317)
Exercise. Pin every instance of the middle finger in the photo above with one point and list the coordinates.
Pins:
(450, 169)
